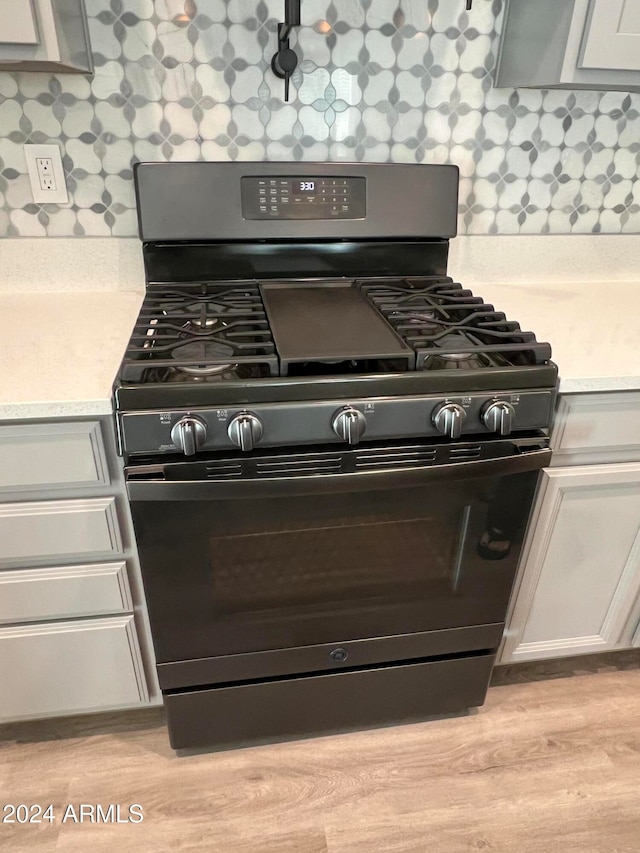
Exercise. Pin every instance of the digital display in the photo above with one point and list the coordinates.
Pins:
(289, 197)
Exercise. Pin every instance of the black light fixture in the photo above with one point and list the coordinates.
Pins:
(285, 60)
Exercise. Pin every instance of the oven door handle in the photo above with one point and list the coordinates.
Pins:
(198, 490)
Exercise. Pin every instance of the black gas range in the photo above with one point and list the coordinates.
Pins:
(331, 448)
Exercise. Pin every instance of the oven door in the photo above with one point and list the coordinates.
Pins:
(249, 577)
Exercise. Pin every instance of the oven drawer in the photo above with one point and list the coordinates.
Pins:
(34, 457)
(29, 595)
(324, 703)
(48, 531)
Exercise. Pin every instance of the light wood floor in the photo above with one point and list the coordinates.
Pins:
(550, 766)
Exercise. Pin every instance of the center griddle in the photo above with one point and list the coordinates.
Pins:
(328, 321)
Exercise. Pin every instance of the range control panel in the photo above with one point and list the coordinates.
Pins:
(293, 424)
(303, 197)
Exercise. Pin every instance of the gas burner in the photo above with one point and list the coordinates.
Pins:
(208, 352)
(458, 361)
(457, 351)
(449, 328)
(203, 325)
(414, 318)
(199, 330)
(206, 300)
(204, 316)
(179, 376)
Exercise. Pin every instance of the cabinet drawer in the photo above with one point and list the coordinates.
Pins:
(55, 530)
(66, 667)
(46, 456)
(29, 595)
(597, 428)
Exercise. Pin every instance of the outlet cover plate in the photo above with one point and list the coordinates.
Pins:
(40, 196)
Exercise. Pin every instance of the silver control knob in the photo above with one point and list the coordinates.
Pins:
(189, 434)
(245, 430)
(499, 417)
(349, 424)
(448, 419)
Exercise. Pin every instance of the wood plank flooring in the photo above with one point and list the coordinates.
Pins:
(547, 766)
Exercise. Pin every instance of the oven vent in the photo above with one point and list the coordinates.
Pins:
(377, 460)
(460, 454)
(224, 469)
(298, 466)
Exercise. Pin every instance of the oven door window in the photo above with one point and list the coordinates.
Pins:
(247, 574)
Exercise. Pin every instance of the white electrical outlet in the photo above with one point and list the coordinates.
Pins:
(46, 174)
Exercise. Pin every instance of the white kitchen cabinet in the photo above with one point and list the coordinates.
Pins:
(18, 22)
(578, 585)
(68, 667)
(44, 35)
(34, 457)
(62, 592)
(582, 565)
(55, 530)
(591, 429)
(74, 632)
(570, 44)
(612, 36)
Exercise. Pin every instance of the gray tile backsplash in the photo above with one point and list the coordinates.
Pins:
(379, 80)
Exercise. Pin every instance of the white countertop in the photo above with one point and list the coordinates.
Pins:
(593, 328)
(61, 351)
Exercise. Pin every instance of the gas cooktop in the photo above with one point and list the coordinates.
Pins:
(212, 332)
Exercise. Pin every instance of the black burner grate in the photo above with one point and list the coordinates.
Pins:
(213, 332)
(449, 328)
(201, 332)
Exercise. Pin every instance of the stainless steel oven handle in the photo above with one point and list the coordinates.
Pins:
(199, 490)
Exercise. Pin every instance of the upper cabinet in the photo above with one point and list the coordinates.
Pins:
(18, 22)
(44, 35)
(612, 36)
(570, 44)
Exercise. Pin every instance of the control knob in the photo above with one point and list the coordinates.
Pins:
(448, 419)
(498, 417)
(245, 430)
(189, 434)
(349, 424)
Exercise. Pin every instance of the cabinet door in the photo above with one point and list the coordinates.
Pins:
(58, 530)
(580, 576)
(66, 455)
(569, 44)
(17, 22)
(66, 667)
(593, 429)
(612, 35)
(64, 592)
(57, 40)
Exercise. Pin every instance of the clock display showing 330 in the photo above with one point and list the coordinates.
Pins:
(303, 197)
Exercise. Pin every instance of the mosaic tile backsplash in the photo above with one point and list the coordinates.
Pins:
(379, 80)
